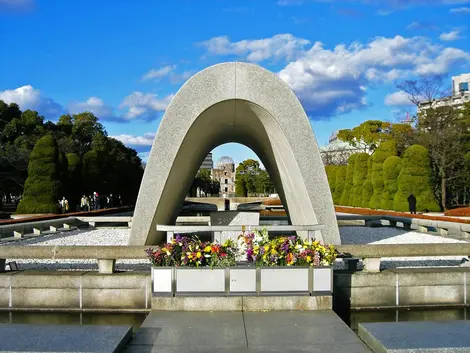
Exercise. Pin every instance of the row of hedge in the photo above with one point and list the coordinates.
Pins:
(383, 180)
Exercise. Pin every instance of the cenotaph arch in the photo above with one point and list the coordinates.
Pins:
(243, 103)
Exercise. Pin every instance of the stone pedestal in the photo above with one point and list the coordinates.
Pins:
(231, 218)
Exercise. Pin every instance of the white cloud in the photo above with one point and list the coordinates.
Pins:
(131, 140)
(280, 46)
(450, 36)
(94, 105)
(155, 74)
(28, 97)
(334, 81)
(144, 105)
(398, 98)
(462, 10)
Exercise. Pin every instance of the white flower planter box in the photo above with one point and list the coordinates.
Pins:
(284, 280)
(200, 281)
(322, 280)
(162, 281)
(242, 280)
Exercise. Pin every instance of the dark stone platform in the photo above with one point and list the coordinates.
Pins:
(63, 338)
(243, 332)
(417, 337)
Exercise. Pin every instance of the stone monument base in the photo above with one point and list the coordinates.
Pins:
(271, 303)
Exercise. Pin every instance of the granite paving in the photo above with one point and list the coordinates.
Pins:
(256, 332)
(63, 338)
(417, 337)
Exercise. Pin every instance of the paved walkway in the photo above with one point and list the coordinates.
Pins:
(243, 332)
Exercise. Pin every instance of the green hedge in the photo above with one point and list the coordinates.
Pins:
(385, 150)
(41, 190)
(346, 197)
(367, 188)
(331, 171)
(339, 184)
(360, 174)
(415, 178)
(74, 178)
(391, 170)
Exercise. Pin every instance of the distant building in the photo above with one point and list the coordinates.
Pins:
(208, 163)
(460, 95)
(224, 173)
(337, 151)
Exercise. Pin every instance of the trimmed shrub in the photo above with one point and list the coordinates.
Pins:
(41, 190)
(360, 174)
(339, 184)
(367, 189)
(346, 197)
(391, 170)
(415, 178)
(91, 170)
(74, 178)
(385, 150)
(63, 174)
(331, 171)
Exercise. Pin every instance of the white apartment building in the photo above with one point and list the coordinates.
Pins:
(460, 94)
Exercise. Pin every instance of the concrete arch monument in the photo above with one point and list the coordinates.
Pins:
(234, 102)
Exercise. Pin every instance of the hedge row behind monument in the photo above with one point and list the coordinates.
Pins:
(385, 150)
(415, 177)
(41, 191)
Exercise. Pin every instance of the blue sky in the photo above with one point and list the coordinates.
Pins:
(124, 60)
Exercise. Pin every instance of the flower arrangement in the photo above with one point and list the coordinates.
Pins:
(192, 252)
(284, 251)
(252, 246)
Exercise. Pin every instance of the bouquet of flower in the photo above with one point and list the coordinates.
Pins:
(192, 252)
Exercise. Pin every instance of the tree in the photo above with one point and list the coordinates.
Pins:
(425, 89)
(245, 177)
(74, 179)
(445, 131)
(41, 192)
(84, 130)
(367, 135)
(391, 170)
(91, 171)
(415, 178)
(339, 184)
(346, 197)
(367, 187)
(385, 150)
(360, 174)
(331, 173)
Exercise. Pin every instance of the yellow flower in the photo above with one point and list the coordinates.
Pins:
(309, 258)
(273, 251)
(207, 248)
(198, 254)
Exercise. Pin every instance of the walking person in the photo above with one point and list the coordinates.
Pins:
(412, 203)
(83, 203)
(63, 204)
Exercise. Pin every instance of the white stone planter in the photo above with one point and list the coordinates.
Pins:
(322, 280)
(284, 280)
(162, 281)
(200, 281)
(242, 280)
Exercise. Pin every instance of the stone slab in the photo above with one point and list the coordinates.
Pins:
(233, 218)
(256, 332)
(63, 338)
(417, 337)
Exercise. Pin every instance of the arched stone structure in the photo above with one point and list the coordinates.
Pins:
(234, 102)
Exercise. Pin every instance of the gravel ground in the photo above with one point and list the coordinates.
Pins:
(120, 236)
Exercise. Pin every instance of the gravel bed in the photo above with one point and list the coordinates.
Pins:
(120, 236)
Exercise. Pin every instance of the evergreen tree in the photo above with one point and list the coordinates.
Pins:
(415, 178)
(346, 197)
(391, 170)
(385, 150)
(339, 184)
(367, 188)
(91, 171)
(360, 174)
(41, 192)
(331, 171)
(74, 179)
